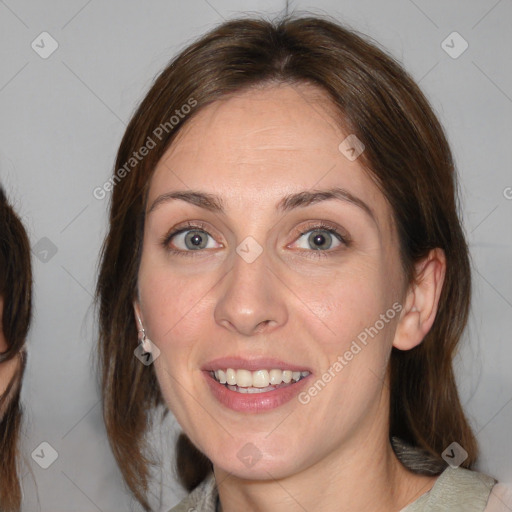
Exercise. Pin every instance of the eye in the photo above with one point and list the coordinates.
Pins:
(318, 239)
(188, 239)
(192, 240)
(321, 238)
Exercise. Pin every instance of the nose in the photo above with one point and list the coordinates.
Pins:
(251, 300)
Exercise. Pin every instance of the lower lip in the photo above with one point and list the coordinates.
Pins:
(253, 402)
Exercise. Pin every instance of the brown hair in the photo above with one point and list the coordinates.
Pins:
(16, 290)
(406, 154)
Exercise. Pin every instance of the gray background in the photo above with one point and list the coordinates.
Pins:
(62, 119)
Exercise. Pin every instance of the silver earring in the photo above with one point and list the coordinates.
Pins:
(144, 340)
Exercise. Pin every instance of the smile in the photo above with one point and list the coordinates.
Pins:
(259, 381)
(255, 391)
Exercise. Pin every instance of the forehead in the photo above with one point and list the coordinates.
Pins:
(270, 123)
(262, 144)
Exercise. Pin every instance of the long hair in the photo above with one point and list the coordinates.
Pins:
(406, 154)
(16, 291)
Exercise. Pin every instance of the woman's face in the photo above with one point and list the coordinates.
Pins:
(259, 277)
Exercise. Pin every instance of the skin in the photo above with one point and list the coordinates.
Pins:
(252, 150)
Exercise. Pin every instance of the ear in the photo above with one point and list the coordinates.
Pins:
(421, 302)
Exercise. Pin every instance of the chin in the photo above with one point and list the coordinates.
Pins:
(255, 459)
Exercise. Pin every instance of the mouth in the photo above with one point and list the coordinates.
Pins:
(254, 385)
(260, 381)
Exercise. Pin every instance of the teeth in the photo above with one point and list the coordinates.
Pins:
(276, 377)
(231, 377)
(221, 376)
(243, 378)
(256, 381)
(260, 379)
(250, 390)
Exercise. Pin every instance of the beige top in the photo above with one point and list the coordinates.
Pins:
(455, 490)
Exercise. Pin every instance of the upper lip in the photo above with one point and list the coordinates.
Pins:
(260, 363)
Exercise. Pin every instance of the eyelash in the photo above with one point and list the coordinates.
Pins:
(189, 226)
(322, 226)
(316, 226)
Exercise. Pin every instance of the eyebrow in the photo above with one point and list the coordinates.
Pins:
(290, 202)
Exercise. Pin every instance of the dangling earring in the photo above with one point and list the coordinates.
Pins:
(143, 339)
(147, 352)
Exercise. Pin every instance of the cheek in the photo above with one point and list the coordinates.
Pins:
(346, 325)
(175, 321)
(352, 326)
(173, 301)
(347, 300)
(173, 306)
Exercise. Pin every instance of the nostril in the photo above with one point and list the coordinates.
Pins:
(262, 325)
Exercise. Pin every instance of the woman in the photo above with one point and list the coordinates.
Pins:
(284, 242)
(15, 315)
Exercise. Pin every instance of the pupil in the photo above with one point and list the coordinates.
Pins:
(319, 241)
(195, 239)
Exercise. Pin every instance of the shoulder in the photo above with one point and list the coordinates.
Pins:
(456, 489)
(202, 499)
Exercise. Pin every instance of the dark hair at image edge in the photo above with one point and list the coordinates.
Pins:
(16, 290)
(407, 155)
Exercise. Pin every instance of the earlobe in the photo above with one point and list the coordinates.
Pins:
(422, 301)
